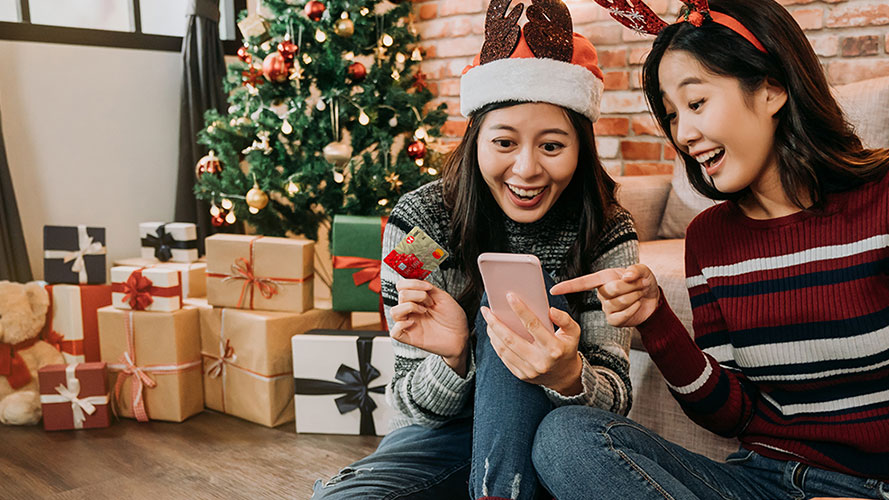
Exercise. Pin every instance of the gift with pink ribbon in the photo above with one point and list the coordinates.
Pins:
(71, 324)
(262, 273)
(74, 396)
(248, 367)
(155, 362)
(146, 289)
(74, 254)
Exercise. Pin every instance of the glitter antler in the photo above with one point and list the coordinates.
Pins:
(549, 31)
(502, 31)
(636, 16)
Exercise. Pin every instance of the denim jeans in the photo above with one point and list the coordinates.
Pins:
(582, 452)
(487, 456)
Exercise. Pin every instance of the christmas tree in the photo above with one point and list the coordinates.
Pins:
(327, 116)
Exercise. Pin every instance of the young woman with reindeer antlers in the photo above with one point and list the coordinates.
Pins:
(787, 279)
(469, 392)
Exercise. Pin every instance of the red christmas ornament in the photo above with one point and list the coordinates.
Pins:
(314, 10)
(287, 49)
(209, 164)
(416, 150)
(244, 54)
(218, 219)
(275, 67)
(357, 72)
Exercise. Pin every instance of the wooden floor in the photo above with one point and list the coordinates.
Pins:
(208, 456)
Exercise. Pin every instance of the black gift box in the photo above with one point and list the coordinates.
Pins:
(82, 247)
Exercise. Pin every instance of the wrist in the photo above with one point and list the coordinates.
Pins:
(571, 384)
(460, 362)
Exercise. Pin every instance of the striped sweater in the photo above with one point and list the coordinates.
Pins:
(791, 322)
(425, 391)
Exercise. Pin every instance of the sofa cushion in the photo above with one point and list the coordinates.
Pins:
(666, 259)
(644, 196)
(865, 104)
(683, 204)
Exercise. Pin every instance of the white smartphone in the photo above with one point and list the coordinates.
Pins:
(522, 275)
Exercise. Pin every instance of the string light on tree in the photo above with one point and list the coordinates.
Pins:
(287, 49)
(363, 118)
(292, 188)
(320, 36)
(420, 134)
(416, 55)
(226, 204)
(244, 54)
(388, 40)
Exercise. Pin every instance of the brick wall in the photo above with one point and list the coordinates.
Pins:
(850, 36)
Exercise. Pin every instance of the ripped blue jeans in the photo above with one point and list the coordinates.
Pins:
(487, 456)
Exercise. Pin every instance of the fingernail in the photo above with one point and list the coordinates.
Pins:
(484, 312)
(510, 297)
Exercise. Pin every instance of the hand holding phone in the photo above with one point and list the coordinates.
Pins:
(522, 275)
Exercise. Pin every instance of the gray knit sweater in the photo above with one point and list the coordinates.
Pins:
(425, 391)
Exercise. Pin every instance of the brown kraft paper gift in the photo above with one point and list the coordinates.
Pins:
(248, 364)
(157, 354)
(260, 273)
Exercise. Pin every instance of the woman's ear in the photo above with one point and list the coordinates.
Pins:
(776, 96)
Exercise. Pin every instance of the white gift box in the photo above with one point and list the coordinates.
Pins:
(170, 242)
(193, 274)
(340, 378)
(158, 289)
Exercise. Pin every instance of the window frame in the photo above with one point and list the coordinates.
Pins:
(27, 32)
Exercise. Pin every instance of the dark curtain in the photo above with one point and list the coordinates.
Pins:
(14, 265)
(203, 69)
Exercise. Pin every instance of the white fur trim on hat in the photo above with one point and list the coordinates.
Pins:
(531, 80)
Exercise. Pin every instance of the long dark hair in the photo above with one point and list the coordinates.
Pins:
(477, 220)
(816, 148)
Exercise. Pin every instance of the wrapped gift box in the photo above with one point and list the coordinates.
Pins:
(340, 379)
(74, 255)
(74, 396)
(157, 355)
(248, 369)
(192, 274)
(145, 289)
(71, 325)
(172, 241)
(357, 247)
(256, 272)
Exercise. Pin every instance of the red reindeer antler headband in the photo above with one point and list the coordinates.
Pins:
(542, 61)
(637, 16)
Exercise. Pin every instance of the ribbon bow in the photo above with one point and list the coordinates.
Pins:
(369, 273)
(86, 246)
(55, 339)
(162, 242)
(226, 355)
(242, 269)
(355, 387)
(137, 291)
(140, 380)
(12, 365)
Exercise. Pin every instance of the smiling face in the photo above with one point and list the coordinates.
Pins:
(730, 132)
(527, 155)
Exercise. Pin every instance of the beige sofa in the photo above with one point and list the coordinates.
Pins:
(662, 206)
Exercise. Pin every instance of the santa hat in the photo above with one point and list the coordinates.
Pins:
(543, 61)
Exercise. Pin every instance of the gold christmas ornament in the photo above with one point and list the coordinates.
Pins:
(337, 153)
(257, 198)
(344, 28)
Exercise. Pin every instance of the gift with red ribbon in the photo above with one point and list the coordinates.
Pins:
(71, 325)
(193, 275)
(248, 370)
(74, 396)
(146, 289)
(262, 273)
(357, 248)
(154, 359)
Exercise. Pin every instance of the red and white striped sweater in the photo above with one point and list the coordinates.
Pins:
(791, 321)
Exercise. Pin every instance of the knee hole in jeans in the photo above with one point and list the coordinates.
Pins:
(345, 474)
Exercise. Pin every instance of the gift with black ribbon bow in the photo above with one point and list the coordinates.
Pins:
(173, 241)
(353, 401)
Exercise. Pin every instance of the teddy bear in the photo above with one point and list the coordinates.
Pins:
(22, 314)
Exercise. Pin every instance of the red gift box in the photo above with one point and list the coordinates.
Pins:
(72, 324)
(74, 396)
